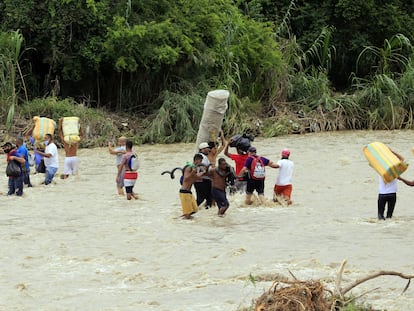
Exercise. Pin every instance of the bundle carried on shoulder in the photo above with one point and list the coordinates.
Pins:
(70, 129)
(384, 161)
(215, 107)
(42, 126)
(242, 142)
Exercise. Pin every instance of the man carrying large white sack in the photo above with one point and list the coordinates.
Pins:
(70, 133)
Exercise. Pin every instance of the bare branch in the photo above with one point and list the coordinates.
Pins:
(375, 275)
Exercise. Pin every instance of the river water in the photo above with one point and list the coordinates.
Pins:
(78, 245)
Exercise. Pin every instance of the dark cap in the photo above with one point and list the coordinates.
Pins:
(251, 149)
(8, 144)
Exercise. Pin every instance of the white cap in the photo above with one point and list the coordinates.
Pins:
(203, 145)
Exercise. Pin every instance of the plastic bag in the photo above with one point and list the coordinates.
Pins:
(13, 169)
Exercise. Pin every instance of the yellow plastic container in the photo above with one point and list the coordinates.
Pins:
(42, 127)
(384, 161)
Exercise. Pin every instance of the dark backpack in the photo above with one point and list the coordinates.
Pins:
(257, 169)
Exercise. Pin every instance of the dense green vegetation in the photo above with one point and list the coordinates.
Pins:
(291, 66)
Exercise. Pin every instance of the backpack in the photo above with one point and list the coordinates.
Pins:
(133, 162)
(257, 169)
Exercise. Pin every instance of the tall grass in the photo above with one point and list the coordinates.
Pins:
(10, 73)
(383, 97)
(177, 120)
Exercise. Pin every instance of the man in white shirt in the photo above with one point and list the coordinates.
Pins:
(51, 158)
(283, 185)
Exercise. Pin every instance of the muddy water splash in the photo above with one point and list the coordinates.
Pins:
(77, 245)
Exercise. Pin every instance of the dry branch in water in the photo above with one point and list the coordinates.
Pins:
(342, 292)
(296, 295)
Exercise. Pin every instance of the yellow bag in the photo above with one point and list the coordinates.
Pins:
(70, 128)
(42, 127)
(384, 161)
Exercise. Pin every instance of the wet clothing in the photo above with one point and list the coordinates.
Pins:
(26, 172)
(52, 161)
(203, 188)
(220, 197)
(15, 183)
(71, 165)
(285, 191)
(383, 200)
(283, 186)
(285, 172)
(128, 177)
(188, 202)
(239, 159)
(254, 184)
(119, 154)
(387, 196)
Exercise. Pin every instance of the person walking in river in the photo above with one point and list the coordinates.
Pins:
(191, 174)
(239, 158)
(283, 185)
(15, 181)
(255, 169)
(125, 172)
(387, 194)
(118, 151)
(71, 162)
(22, 149)
(51, 158)
(203, 186)
(219, 176)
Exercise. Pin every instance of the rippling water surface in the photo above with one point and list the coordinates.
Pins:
(77, 245)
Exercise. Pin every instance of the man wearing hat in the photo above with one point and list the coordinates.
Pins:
(255, 168)
(15, 183)
(203, 188)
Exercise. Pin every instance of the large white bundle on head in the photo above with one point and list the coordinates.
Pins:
(215, 107)
(70, 128)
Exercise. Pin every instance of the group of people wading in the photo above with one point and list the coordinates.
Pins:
(212, 180)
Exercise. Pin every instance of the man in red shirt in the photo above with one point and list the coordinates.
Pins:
(239, 158)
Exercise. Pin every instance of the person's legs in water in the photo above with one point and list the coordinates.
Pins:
(188, 204)
(260, 190)
(50, 173)
(381, 206)
(209, 199)
(392, 199)
(18, 184)
(120, 184)
(249, 192)
(221, 200)
(128, 190)
(199, 193)
(11, 186)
